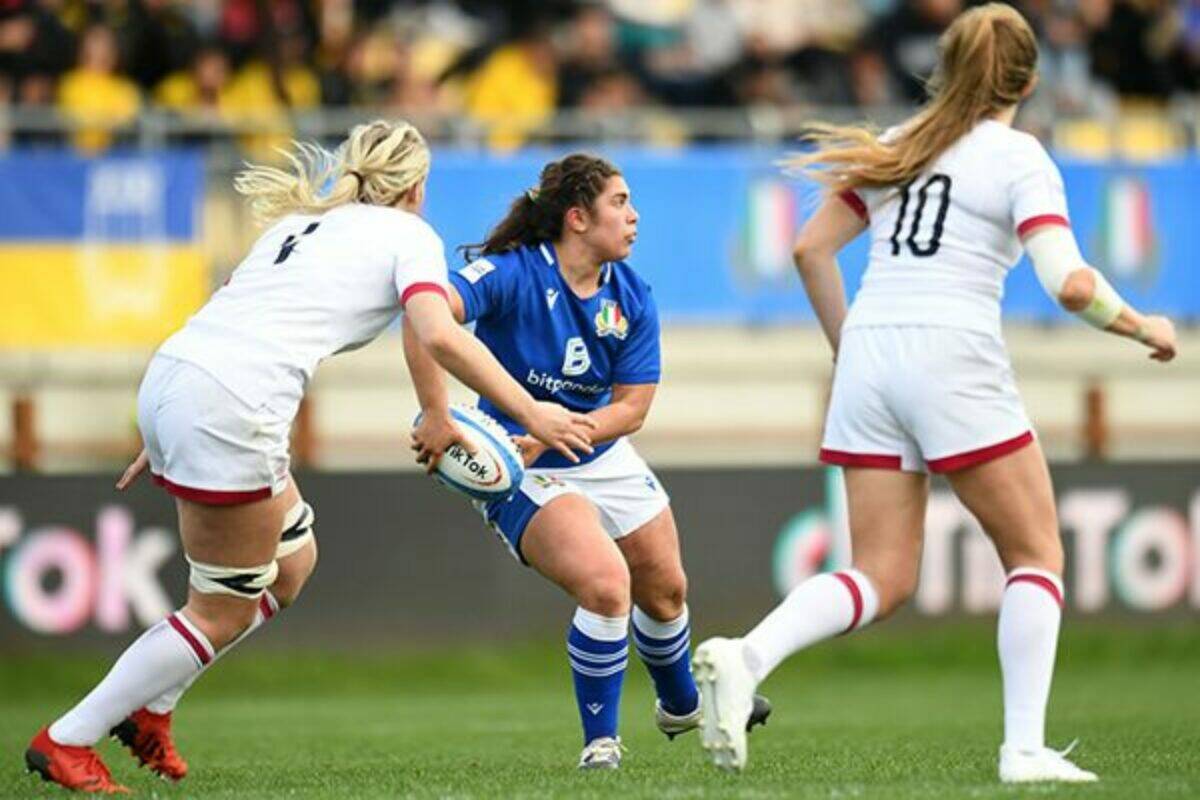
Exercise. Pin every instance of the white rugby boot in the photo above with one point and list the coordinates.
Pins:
(1028, 766)
(602, 753)
(726, 701)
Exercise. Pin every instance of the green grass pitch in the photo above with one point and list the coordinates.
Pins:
(910, 711)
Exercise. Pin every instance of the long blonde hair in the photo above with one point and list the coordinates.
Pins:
(988, 60)
(377, 164)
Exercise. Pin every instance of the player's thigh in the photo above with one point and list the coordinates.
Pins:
(1013, 498)
(565, 542)
(241, 535)
(886, 510)
(215, 538)
(656, 565)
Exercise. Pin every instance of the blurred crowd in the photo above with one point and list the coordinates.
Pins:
(508, 66)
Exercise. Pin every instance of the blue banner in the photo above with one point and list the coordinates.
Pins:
(62, 197)
(717, 225)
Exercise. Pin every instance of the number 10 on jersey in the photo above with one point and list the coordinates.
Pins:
(936, 184)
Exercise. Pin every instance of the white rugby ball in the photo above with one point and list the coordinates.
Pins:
(496, 469)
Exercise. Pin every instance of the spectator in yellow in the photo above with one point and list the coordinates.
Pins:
(261, 96)
(94, 95)
(515, 89)
(200, 91)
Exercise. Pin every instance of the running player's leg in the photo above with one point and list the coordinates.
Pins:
(147, 731)
(887, 519)
(296, 557)
(1013, 499)
(565, 542)
(887, 516)
(232, 550)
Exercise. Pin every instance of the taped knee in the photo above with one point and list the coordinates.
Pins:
(246, 582)
(297, 529)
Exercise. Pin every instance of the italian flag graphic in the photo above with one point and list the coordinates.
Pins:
(611, 320)
(769, 229)
(1126, 232)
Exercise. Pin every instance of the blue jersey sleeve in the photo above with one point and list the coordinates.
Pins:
(640, 360)
(487, 286)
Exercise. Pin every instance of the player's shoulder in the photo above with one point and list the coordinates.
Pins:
(1010, 148)
(386, 221)
(502, 265)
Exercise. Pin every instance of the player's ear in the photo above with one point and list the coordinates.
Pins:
(1030, 87)
(576, 219)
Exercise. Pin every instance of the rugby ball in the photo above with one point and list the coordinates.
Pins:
(496, 469)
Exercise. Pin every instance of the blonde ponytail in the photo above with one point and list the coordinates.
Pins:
(377, 164)
(988, 60)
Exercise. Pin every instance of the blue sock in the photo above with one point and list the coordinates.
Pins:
(664, 648)
(598, 651)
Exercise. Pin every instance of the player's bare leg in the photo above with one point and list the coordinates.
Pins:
(565, 543)
(1013, 499)
(887, 517)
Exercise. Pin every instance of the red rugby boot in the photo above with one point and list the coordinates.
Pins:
(148, 737)
(73, 767)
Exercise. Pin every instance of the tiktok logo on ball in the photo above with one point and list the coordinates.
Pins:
(55, 580)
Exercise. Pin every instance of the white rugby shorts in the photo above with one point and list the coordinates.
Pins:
(922, 399)
(203, 443)
(618, 483)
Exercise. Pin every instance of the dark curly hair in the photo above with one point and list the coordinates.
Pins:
(537, 215)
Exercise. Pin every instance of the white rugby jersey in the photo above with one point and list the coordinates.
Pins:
(942, 245)
(311, 286)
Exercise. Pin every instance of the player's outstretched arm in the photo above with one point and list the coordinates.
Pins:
(436, 431)
(1084, 291)
(463, 356)
(832, 227)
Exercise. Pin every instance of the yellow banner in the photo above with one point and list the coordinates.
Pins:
(97, 295)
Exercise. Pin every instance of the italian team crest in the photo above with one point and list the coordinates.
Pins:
(610, 321)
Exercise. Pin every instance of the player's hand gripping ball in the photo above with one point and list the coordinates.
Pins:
(495, 470)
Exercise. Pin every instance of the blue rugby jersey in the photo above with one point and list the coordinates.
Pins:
(559, 346)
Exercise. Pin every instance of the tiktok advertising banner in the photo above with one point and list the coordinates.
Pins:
(717, 226)
(403, 559)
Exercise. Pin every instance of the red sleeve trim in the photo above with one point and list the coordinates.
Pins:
(424, 286)
(975, 457)
(212, 497)
(855, 201)
(1041, 219)
(843, 459)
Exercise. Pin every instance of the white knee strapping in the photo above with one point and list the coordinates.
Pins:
(297, 529)
(245, 582)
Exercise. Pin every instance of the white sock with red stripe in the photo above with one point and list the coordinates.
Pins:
(268, 607)
(1027, 638)
(821, 607)
(166, 654)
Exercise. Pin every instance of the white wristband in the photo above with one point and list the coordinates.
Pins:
(1106, 304)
